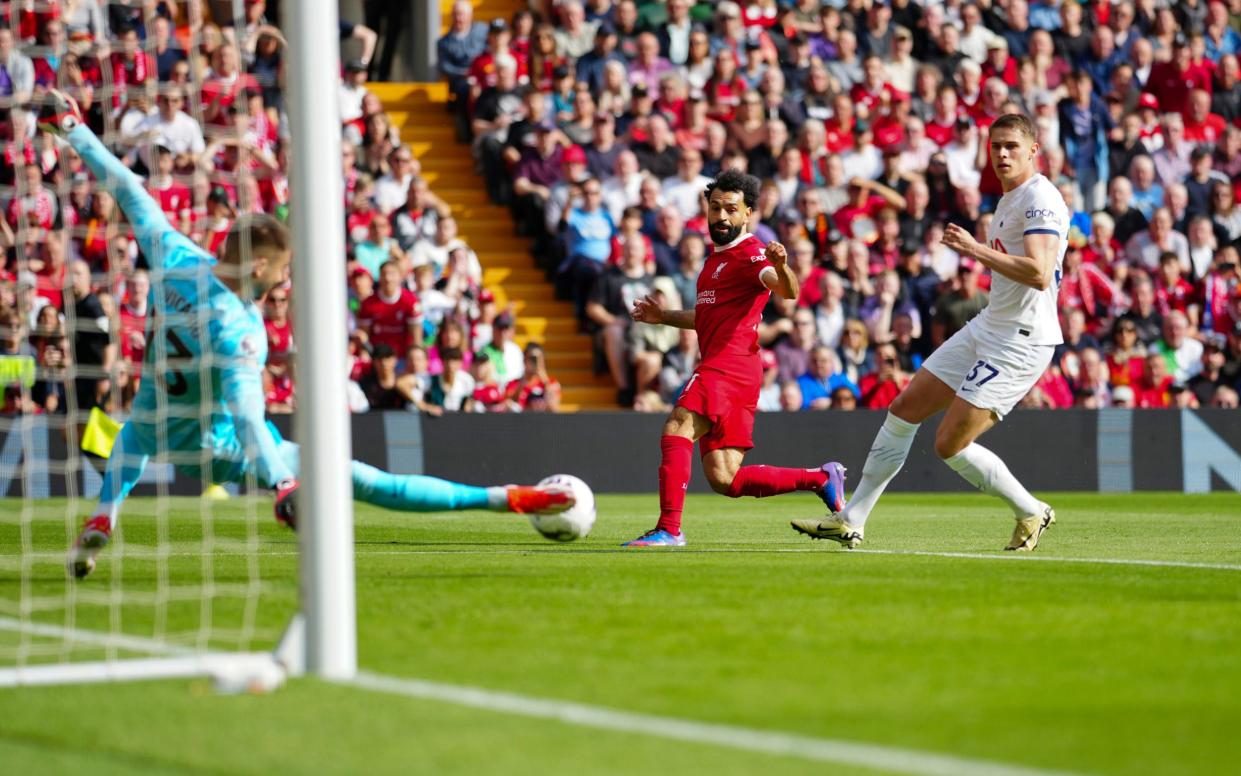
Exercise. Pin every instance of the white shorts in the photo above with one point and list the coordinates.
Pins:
(990, 372)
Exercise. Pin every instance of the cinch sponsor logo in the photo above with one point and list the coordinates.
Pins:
(706, 297)
(1038, 212)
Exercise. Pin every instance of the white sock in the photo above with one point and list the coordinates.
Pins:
(984, 470)
(887, 456)
(497, 499)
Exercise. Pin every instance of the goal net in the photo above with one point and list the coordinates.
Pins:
(197, 578)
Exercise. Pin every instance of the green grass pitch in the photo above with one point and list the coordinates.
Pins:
(1093, 667)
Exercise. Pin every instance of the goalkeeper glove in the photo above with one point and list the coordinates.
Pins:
(60, 114)
(286, 503)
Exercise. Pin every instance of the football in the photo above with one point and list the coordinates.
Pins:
(574, 523)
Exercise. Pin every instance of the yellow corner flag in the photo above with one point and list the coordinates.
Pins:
(100, 433)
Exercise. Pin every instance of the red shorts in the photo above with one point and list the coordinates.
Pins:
(729, 402)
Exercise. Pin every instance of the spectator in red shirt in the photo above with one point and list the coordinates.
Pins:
(391, 315)
(943, 123)
(1154, 390)
(1173, 292)
(880, 387)
(1201, 125)
(33, 205)
(133, 315)
(536, 391)
(873, 95)
(223, 85)
(1172, 81)
(866, 199)
(278, 324)
(839, 128)
(131, 66)
(174, 197)
(1086, 287)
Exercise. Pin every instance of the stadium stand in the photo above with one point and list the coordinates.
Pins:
(594, 126)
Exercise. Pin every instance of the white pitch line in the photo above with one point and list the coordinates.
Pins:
(827, 750)
(1027, 557)
(878, 756)
(594, 550)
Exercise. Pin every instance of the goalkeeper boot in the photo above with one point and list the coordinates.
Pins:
(538, 499)
(831, 527)
(1030, 528)
(95, 535)
(833, 491)
(286, 503)
(657, 537)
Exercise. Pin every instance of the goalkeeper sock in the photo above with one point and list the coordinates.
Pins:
(984, 470)
(414, 493)
(763, 481)
(887, 456)
(674, 469)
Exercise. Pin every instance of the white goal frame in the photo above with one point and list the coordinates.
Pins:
(321, 639)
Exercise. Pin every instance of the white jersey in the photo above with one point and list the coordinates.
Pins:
(1018, 311)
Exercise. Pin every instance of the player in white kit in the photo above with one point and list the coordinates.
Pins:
(982, 371)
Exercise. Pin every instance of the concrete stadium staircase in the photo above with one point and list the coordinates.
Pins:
(418, 110)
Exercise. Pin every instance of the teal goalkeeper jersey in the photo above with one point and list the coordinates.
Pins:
(200, 403)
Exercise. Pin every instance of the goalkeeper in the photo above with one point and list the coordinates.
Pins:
(200, 404)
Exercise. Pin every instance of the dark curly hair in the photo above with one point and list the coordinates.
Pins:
(735, 180)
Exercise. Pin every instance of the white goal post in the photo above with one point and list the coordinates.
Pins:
(320, 639)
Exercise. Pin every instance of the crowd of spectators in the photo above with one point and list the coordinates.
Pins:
(192, 99)
(600, 122)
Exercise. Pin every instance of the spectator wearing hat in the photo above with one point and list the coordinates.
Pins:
(563, 193)
(591, 66)
(1211, 378)
(484, 70)
(503, 352)
(956, 308)
(538, 170)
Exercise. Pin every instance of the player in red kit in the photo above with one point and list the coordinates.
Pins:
(391, 315)
(717, 405)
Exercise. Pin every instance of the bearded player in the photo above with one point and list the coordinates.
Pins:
(982, 371)
(717, 405)
(202, 407)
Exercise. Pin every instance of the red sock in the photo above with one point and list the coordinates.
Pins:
(674, 470)
(763, 481)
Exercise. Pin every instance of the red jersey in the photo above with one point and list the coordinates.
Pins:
(175, 200)
(730, 303)
(839, 137)
(133, 346)
(1210, 131)
(279, 340)
(389, 320)
(1172, 85)
(881, 98)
